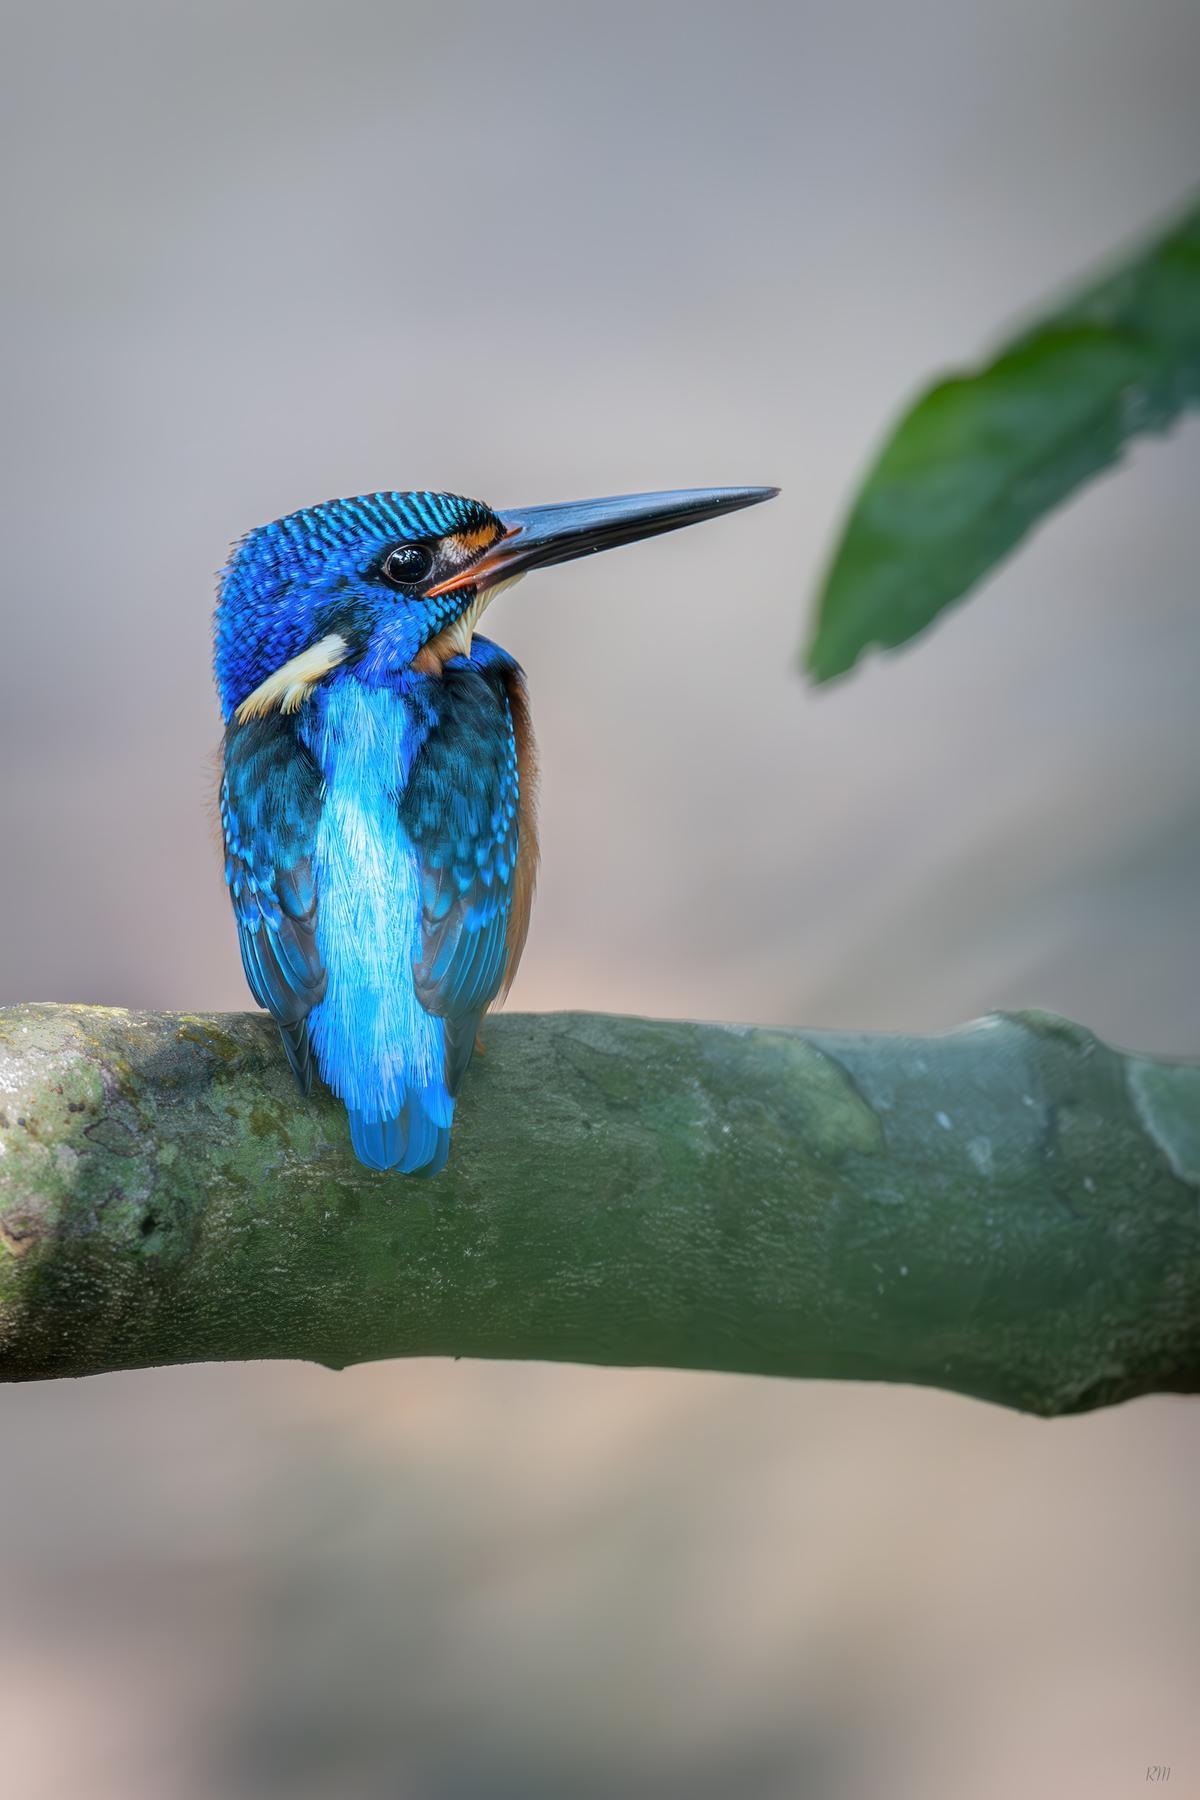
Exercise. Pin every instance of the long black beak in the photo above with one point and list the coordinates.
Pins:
(536, 536)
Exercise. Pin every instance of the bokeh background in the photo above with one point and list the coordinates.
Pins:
(262, 253)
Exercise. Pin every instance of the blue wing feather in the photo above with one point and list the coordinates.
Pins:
(461, 811)
(270, 802)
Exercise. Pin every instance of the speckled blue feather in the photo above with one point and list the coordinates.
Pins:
(271, 795)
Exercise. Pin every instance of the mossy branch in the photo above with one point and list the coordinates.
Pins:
(1011, 1210)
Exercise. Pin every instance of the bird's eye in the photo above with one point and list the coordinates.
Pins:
(408, 565)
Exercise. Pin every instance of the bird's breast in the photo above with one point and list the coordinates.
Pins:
(364, 737)
(371, 1030)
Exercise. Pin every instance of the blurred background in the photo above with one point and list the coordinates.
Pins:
(260, 254)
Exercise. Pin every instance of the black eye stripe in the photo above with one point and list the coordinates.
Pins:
(407, 565)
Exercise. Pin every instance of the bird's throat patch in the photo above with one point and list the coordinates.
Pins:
(455, 638)
(290, 685)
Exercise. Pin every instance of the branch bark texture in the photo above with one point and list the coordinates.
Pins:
(1011, 1210)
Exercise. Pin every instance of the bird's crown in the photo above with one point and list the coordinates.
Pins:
(304, 541)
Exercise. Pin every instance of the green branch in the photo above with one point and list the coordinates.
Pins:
(1011, 1210)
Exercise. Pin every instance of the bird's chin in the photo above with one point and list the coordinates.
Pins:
(455, 639)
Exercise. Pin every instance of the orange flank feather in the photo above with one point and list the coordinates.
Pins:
(525, 875)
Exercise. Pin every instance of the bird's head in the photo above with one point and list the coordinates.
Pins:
(396, 581)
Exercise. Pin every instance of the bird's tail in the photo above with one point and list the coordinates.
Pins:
(298, 1046)
(459, 1035)
(415, 1140)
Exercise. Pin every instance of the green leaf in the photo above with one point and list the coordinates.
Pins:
(981, 457)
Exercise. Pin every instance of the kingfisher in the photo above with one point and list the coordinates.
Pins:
(379, 783)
